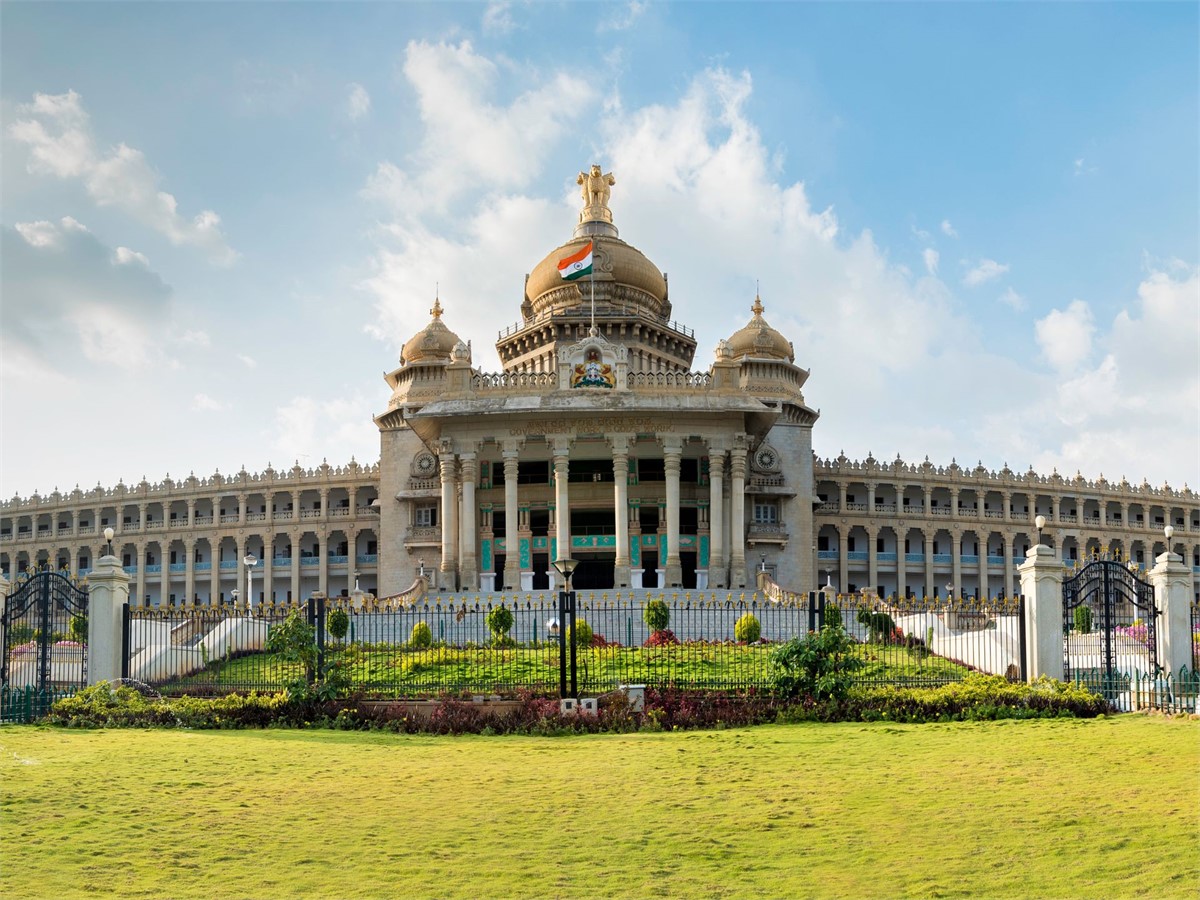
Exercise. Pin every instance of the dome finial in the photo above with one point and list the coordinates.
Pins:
(757, 308)
(436, 312)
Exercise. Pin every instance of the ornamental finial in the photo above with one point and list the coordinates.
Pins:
(757, 308)
(436, 312)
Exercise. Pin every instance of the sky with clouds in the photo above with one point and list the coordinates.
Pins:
(219, 223)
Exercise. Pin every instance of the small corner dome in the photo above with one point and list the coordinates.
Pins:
(760, 340)
(435, 342)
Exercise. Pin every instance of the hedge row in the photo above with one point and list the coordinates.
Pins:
(976, 697)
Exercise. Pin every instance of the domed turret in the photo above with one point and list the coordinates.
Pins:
(760, 340)
(435, 342)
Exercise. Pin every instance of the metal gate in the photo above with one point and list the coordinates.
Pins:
(1109, 628)
(43, 633)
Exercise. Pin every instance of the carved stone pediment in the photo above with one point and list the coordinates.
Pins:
(593, 364)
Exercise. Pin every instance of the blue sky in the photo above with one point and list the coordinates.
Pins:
(977, 222)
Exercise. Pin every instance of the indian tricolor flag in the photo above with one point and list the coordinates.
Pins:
(577, 264)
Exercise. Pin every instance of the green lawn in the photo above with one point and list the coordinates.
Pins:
(400, 672)
(1104, 808)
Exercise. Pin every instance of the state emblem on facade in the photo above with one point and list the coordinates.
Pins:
(593, 372)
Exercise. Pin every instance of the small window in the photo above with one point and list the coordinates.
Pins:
(426, 516)
(765, 513)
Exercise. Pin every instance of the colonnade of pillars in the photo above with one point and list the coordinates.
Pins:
(459, 511)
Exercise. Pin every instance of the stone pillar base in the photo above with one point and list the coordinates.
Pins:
(487, 581)
(635, 579)
(737, 575)
(620, 576)
(674, 574)
(527, 581)
(512, 578)
(701, 580)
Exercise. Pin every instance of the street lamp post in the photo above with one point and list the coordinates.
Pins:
(251, 561)
(234, 596)
(566, 632)
(1039, 523)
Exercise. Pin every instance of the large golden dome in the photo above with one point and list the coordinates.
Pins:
(760, 340)
(622, 273)
(434, 342)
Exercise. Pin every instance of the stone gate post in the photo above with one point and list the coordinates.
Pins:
(108, 592)
(1172, 582)
(1041, 583)
(4, 587)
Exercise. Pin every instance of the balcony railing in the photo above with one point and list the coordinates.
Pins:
(942, 559)
(367, 559)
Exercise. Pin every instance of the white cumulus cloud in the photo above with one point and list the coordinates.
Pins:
(948, 229)
(358, 102)
(205, 403)
(1013, 300)
(931, 260)
(124, 256)
(57, 132)
(986, 270)
(1065, 336)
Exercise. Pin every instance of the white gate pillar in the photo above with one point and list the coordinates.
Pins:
(4, 588)
(108, 592)
(1041, 583)
(1172, 582)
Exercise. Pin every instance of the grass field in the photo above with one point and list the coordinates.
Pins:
(1102, 808)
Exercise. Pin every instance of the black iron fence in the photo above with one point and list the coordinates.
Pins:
(437, 646)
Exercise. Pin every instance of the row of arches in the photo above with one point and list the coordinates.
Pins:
(207, 569)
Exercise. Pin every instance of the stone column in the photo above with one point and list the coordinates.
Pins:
(268, 569)
(870, 498)
(1006, 549)
(512, 540)
(716, 486)
(929, 583)
(901, 563)
(241, 499)
(448, 580)
(983, 568)
(672, 454)
(620, 464)
(295, 589)
(1172, 581)
(468, 571)
(562, 506)
(323, 562)
(140, 599)
(189, 572)
(928, 501)
(1041, 583)
(872, 554)
(164, 575)
(737, 517)
(956, 562)
(108, 592)
(954, 503)
(843, 558)
(1006, 499)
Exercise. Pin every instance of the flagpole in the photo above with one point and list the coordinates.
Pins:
(592, 279)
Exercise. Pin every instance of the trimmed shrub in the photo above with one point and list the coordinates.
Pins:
(79, 629)
(421, 637)
(338, 624)
(582, 635)
(881, 628)
(499, 622)
(663, 637)
(746, 629)
(832, 617)
(657, 615)
(1083, 619)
